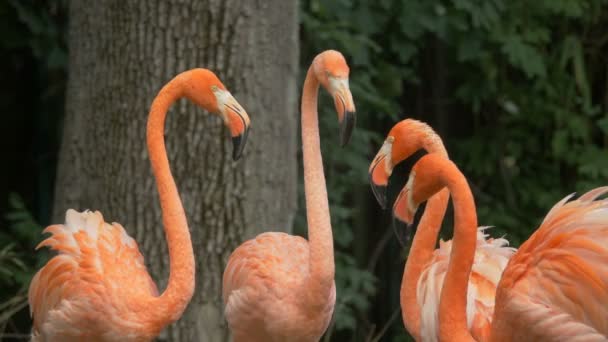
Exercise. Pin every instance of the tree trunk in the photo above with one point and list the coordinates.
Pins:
(121, 54)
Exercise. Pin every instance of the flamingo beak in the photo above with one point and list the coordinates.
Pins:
(403, 217)
(345, 106)
(380, 170)
(347, 125)
(238, 144)
(403, 231)
(378, 179)
(237, 120)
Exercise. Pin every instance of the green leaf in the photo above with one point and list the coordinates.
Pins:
(524, 57)
(603, 124)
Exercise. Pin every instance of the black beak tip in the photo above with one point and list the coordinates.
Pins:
(238, 145)
(346, 127)
(380, 194)
(403, 231)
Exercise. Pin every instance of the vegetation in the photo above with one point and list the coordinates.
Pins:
(33, 68)
(17, 266)
(518, 90)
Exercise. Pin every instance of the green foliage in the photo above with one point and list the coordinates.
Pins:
(18, 263)
(517, 89)
(10, 264)
(44, 36)
(340, 25)
(355, 286)
(34, 59)
(520, 86)
(537, 134)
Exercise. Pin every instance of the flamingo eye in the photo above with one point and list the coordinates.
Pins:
(214, 88)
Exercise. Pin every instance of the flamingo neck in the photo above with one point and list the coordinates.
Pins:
(421, 253)
(320, 240)
(453, 301)
(173, 301)
(423, 246)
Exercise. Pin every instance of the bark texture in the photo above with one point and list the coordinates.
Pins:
(121, 54)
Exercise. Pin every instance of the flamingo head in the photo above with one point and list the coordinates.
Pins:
(425, 180)
(402, 142)
(381, 169)
(404, 210)
(332, 72)
(207, 91)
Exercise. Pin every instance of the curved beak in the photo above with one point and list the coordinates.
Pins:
(378, 180)
(238, 144)
(403, 231)
(237, 120)
(345, 106)
(347, 125)
(380, 170)
(403, 217)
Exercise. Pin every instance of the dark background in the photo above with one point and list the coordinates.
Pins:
(517, 89)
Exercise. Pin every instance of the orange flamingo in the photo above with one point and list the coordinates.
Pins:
(97, 288)
(426, 266)
(554, 288)
(279, 287)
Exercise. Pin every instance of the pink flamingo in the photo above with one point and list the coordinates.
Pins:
(97, 288)
(279, 287)
(554, 288)
(426, 266)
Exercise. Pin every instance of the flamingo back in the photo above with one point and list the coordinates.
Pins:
(556, 286)
(264, 293)
(87, 289)
(491, 258)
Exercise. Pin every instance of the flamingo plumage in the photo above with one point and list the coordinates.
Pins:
(554, 288)
(279, 287)
(426, 266)
(97, 287)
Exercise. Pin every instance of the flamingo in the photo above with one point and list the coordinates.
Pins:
(279, 287)
(426, 266)
(554, 288)
(97, 287)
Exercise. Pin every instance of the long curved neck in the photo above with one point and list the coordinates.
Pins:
(453, 302)
(180, 288)
(421, 253)
(320, 240)
(422, 248)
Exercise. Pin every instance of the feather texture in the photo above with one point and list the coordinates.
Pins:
(556, 285)
(265, 291)
(491, 257)
(85, 279)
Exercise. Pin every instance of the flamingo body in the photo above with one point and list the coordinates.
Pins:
(97, 287)
(265, 291)
(556, 286)
(86, 280)
(279, 287)
(491, 258)
(426, 266)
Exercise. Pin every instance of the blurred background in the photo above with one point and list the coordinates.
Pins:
(517, 89)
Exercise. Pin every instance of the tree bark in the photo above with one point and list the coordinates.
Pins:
(121, 54)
